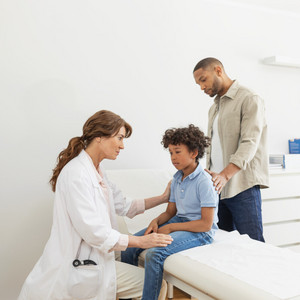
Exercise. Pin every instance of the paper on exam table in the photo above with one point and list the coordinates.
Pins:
(272, 269)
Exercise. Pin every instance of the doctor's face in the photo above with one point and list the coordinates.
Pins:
(110, 147)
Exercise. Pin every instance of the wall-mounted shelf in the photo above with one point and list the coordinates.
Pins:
(282, 61)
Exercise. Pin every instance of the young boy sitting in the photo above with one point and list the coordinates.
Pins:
(191, 215)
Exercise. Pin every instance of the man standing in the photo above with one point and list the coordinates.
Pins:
(237, 158)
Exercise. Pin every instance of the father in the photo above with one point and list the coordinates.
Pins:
(237, 158)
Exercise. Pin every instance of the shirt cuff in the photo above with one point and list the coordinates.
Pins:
(137, 207)
(238, 162)
(121, 244)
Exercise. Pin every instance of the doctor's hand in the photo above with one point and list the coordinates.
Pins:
(155, 240)
(153, 227)
(167, 192)
(149, 240)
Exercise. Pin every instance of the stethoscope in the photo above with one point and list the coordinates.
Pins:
(77, 262)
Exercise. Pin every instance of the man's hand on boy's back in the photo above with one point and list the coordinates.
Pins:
(220, 179)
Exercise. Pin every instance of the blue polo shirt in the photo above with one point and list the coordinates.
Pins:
(193, 193)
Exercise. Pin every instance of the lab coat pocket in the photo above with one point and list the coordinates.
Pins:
(84, 281)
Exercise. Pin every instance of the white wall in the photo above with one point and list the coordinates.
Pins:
(61, 61)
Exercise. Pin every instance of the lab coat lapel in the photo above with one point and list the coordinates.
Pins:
(84, 159)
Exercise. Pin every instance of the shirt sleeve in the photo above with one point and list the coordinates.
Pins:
(252, 125)
(125, 206)
(137, 207)
(121, 244)
(122, 204)
(207, 193)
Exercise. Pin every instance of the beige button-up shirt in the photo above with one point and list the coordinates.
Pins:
(243, 136)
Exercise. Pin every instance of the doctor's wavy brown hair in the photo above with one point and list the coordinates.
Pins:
(103, 123)
(190, 136)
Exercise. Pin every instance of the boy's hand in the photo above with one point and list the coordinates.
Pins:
(165, 229)
(153, 227)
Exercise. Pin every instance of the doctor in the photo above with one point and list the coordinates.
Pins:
(85, 208)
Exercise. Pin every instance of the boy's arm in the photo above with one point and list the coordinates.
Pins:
(202, 225)
(162, 218)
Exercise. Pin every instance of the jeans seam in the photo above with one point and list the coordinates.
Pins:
(206, 237)
(256, 210)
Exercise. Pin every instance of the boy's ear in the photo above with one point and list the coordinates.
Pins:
(195, 153)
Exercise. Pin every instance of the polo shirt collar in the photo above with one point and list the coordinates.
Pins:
(178, 175)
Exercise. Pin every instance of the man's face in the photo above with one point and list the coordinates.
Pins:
(209, 81)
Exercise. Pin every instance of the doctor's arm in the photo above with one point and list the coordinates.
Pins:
(92, 221)
(89, 219)
(164, 198)
(150, 240)
(126, 207)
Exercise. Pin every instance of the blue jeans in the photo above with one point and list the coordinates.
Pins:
(242, 213)
(155, 257)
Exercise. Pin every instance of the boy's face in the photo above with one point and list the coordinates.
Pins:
(182, 158)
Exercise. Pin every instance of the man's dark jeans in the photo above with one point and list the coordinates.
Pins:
(242, 213)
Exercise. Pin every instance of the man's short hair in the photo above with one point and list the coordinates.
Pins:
(207, 62)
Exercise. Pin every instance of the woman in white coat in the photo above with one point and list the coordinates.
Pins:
(84, 217)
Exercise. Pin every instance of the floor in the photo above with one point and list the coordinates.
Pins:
(180, 295)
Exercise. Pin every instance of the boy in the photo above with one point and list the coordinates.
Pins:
(191, 214)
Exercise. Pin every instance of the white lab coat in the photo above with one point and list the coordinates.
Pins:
(80, 211)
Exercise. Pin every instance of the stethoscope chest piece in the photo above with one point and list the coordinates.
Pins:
(76, 263)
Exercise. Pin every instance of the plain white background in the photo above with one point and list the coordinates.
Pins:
(61, 61)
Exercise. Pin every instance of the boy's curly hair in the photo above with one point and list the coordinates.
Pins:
(190, 136)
